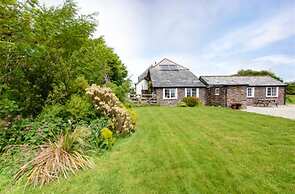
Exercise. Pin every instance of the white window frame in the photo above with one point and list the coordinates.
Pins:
(191, 90)
(169, 93)
(253, 92)
(272, 96)
(216, 93)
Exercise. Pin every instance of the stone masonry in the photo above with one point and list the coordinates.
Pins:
(260, 93)
(236, 94)
(180, 96)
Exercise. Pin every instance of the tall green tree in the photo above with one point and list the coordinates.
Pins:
(291, 88)
(46, 52)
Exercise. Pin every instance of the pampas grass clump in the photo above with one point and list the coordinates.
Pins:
(57, 159)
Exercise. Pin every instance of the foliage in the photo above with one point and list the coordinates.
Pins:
(133, 116)
(96, 125)
(291, 88)
(250, 72)
(191, 101)
(15, 134)
(57, 159)
(80, 107)
(49, 54)
(181, 104)
(107, 139)
(290, 99)
(211, 150)
(121, 90)
(13, 157)
(106, 102)
(8, 107)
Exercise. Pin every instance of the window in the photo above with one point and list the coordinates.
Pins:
(250, 92)
(217, 91)
(272, 91)
(192, 92)
(170, 93)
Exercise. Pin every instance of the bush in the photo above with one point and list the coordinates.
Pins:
(106, 102)
(80, 107)
(15, 134)
(181, 104)
(120, 90)
(107, 139)
(133, 116)
(191, 101)
(8, 107)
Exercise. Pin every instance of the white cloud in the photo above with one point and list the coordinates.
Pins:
(256, 35)
(142, 32)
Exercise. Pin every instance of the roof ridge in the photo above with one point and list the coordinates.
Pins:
(235, 76)
(181, 66)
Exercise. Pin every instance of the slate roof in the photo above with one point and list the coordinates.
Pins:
(167, 73)
(241, 80)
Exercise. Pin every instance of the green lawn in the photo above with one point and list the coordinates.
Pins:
(291, 99)
(193, 150)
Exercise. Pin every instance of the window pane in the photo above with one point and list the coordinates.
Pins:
(274, 91)
(249, 92)
(167, 93)
(269, 91)
(172, 93)
(188, 92)
(216, 91)
(194, 92)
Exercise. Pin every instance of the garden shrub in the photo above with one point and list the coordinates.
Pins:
(106, 102)
(120, 90)
(96, 126)
(133, 116)
(15, 134)
(181, 104)
(107, 139)
(191, 101)
(8, 107)
(80, 107)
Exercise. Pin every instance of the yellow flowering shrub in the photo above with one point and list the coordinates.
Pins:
(133, 116)
(106, 133)
(107, 103)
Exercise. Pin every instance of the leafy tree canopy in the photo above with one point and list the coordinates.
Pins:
(291, 88)
(49, 54)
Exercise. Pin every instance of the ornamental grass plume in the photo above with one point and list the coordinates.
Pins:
(56, 159)
(105, 101)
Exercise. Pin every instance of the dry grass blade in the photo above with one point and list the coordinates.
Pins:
(54, 161)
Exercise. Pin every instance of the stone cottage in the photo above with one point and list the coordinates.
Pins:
(170, 82)
(246, 90)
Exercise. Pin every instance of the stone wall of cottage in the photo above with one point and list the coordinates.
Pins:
(216, 100)
(236, 94)
(203, 95)
(227, 96)
(260, 93)
(180, 96)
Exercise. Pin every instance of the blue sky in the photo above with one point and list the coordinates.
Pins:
(209, 37)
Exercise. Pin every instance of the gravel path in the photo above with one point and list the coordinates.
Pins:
(286, 111)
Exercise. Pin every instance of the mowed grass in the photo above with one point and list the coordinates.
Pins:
(192, 150)
(291, 99)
